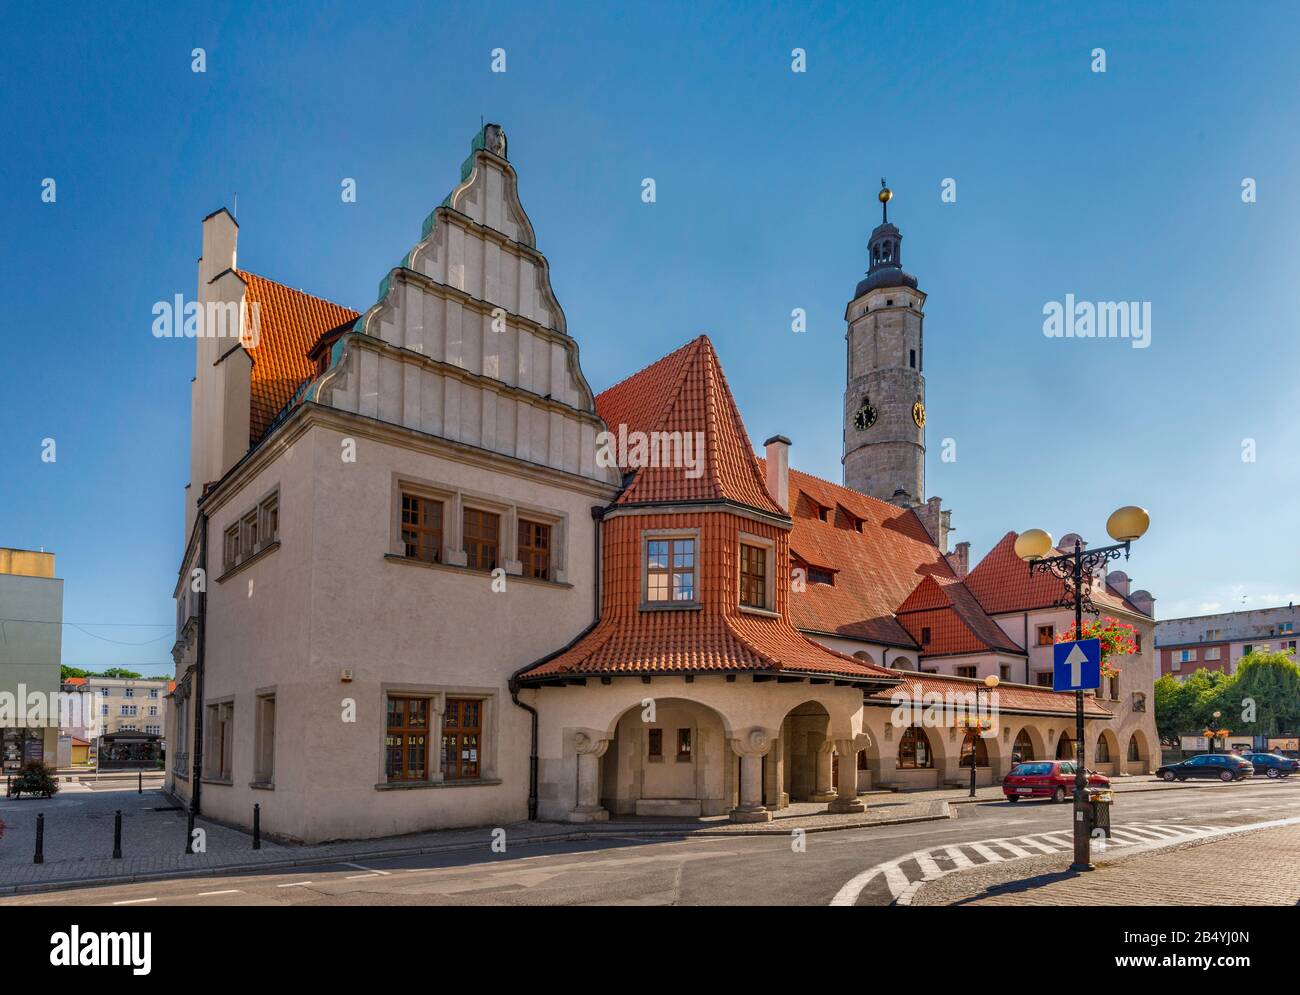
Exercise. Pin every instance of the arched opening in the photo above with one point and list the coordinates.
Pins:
(1102, 753)
(1137, 758)
(1064, 747)
(980, 749)
(1023, 748)
(914, 750)
(1105, 756)
(671, 759)
(806, 766)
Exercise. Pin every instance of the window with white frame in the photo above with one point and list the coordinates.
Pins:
(156, 730)
(670, 569)
(1212, 653)
(256, 530)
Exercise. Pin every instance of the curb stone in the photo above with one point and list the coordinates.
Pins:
(615, 830)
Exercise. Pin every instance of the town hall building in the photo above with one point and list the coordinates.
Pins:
(417, 591)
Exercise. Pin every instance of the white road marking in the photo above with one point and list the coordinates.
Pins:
(135, 901)
(1144, 836)
(294, 884)
(363, 867)
(225, 891)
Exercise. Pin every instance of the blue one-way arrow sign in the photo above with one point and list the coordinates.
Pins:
(1076, 666)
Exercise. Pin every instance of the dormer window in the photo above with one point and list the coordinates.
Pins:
(925, 635)
(818, 575)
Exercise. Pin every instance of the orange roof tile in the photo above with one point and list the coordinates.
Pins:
(1001, 582)
(686, 392)
(1011, 697)
(289, 323)
(878, 563)
(956, 622)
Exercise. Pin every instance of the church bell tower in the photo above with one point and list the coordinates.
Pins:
(884, 399)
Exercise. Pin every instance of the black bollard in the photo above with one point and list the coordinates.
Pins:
(117, 835)
(189, 832)
(139, 789)
(257, 826)
(40, 839)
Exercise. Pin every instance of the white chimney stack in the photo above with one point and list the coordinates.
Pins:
(778, 470)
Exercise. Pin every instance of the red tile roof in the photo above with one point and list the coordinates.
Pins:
(686, 392)
(955, 619)
(1001, 582)
(1011, 697)
(289, 323)
(876, 567)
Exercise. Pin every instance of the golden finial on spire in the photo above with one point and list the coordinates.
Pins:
(885, 196)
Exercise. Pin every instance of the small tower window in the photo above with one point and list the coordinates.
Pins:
(913, 358)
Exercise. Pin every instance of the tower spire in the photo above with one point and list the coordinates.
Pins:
(885, 195)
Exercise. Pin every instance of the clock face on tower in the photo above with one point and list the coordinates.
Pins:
(865, 418)
(918, 414)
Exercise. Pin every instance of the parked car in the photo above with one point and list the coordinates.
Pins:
(1224, 766)
(1272, 765)
(1052, 779)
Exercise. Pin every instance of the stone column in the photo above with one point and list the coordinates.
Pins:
(825, 760)
(751, 750)
(846, 799)
(589, 753)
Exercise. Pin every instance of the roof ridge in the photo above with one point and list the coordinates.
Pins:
(295, 290)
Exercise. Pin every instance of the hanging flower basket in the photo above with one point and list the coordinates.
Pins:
(1117, 639)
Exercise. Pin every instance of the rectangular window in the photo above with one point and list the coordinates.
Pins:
(482, 535)
(925, 635)
(683, 746)
(153, 709)
(153, 692)
(535, 549)
(1212, 653)
(1287, 627)
(1046, 635)
(462, 732)
(1137, 642)
(128, 693)
(264, 740)
(965, 671)
(1043, 678)
(230, 555)
(156, 730)
(218, 754)
(248, 535)
(1004, 672)
(655, 747)
(422, 528)
(911, 358)
(406, 743)
(1247, 649)
(269, 518)
(753, 576)
(816, 575)
(670, 570)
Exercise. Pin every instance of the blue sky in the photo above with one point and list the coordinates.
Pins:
(1123, 185)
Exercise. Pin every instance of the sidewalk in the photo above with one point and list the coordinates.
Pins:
(1250, 868)
(79, 835)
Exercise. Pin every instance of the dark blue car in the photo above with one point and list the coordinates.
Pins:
(1272, 765)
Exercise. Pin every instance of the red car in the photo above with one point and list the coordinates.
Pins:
(1046, 779)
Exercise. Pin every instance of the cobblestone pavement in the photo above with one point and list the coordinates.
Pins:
(78, 836)
(1250, 868)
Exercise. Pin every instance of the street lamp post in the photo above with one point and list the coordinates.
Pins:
(1217, 716)
(975, 725)
(1077, 570)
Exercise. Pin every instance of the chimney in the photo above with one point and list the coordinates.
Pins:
(778, 470)
(1119, 580)
(220, 232)
(937, 522)
(1144, 602)
(959, 560)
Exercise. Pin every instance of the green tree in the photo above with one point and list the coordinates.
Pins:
(118, 672)
(1186, 707)
(1264, 697)
(72, 672)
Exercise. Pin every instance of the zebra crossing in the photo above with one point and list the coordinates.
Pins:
(905, 874)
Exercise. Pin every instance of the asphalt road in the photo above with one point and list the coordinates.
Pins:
(627, 870)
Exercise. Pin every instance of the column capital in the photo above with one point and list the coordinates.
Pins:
(755, 742)
(588, 745)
